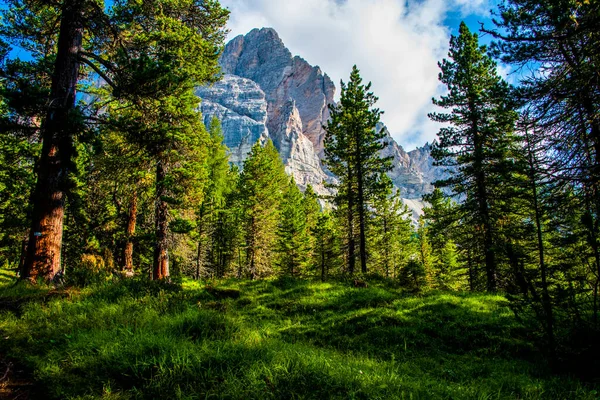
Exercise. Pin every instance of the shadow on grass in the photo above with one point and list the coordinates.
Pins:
(280, 339)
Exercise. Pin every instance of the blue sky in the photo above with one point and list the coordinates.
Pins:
(395, 43)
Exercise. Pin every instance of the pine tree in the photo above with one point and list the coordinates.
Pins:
(478, 140)
(262, 185)
(426, 257)
(311, 206)
(562, 103)
(30, 28)
(218, 180)
(293, 244)
(180, 51)
(352, 151)
(312, 210)
(444, 234)
(327, 247)
(163, 120)
(228, 235)
(392, 228)
(18, 152)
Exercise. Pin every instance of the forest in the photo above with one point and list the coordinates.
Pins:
(136, 261)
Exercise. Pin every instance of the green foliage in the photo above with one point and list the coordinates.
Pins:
(352, 152)
(327, 245)
(211, 208)
(262, 186)
(443, 231)
(476, 146)
(391, 232)
(293, 242)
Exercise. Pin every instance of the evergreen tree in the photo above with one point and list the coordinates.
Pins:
(218, 181)
(478, 140)
(139, 50)
(444, 234)
(392, 228)
(562, 103)
(262, 185)
(426, 258)
(312, 210)
(26, 92)
(311, 207)
(327, 247)
(293, 243)
(352, 151)
(181, 53)
(228, 235)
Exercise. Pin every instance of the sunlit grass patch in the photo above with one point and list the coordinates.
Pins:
(275, 339)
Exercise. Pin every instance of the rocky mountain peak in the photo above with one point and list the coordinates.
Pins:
(262, 57)
(268, 93)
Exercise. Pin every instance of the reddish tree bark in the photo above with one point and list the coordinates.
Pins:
(131, 222)
(42, 258)
(161, 255)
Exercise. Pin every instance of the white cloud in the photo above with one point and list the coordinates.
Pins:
(395, 43)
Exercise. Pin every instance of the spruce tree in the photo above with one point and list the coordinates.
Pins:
(293, 244)
(213, 199)
(478, 140)
(228, 235)
(391, 228)
(263, 183)
(141, 51)
(327, 247)
(352, 151)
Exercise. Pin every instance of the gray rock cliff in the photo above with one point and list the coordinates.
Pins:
(262, 57)
(267, 93)
(241, 107)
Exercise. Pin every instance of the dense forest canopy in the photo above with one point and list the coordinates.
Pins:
(108, 173)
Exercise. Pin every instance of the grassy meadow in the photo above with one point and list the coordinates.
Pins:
(274, 339)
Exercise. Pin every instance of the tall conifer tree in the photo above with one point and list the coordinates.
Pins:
(294, 241)
(262, 185)
(142, 50)
(352, 151)
(477, 142)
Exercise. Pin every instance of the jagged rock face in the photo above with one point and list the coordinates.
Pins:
(267, 93)
(406, 174)
(262, 57)
(421, 160)
(241, 106)
(296, 150)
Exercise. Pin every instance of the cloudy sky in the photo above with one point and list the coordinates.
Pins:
(395, 43)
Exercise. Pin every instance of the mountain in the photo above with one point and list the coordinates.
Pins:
(266, 93)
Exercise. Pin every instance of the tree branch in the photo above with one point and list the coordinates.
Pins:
(98, 71)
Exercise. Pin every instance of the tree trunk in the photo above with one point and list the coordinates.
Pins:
(361, 213)
(484, 212)
(351, 243)
(252, 249)
(131, 222)
(386, 250)
(322, 259)
(42, 259)
(547, 304)
(471, 271)
(199, 260)
(161, 256)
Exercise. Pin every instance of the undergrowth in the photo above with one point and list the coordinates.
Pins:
(277, 339)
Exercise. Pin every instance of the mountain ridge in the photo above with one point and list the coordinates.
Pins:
(267, 93)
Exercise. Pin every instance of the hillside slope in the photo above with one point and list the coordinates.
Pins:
(276, 339)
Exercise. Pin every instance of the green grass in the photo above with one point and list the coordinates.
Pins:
(281, 339)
